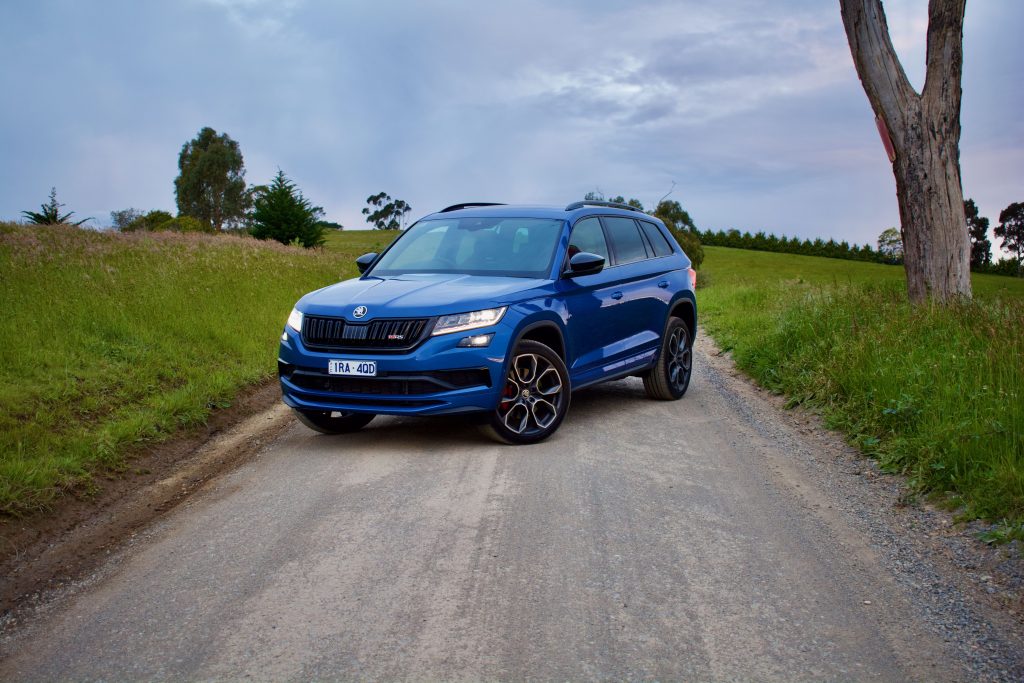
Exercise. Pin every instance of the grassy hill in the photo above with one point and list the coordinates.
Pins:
(936, 393)
(112, 340)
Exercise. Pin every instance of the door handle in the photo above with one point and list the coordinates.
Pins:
(616, 295)
(663, 284)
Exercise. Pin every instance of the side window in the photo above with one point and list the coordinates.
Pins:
(657, 239)
(625, 238)
(588, 236)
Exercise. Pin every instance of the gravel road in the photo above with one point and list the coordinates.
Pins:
(715, 538)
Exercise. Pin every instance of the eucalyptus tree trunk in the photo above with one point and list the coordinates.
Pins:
(924, 130)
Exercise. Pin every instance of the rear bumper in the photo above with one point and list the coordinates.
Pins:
(436, 378)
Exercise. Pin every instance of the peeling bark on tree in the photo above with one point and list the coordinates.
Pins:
(925, 133)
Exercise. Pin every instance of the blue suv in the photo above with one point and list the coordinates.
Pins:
(497, 310)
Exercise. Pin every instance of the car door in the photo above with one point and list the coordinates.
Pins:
(638, 296)
(591, 325)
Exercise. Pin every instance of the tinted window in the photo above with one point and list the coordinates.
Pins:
(657, 239)
(519, 247)
(587, 236)
(625, 238)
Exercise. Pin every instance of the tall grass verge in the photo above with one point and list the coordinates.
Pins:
(935, 392)
(109, 340)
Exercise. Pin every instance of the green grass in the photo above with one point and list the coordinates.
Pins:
(109, 341)
(936, 393)
(355, 243)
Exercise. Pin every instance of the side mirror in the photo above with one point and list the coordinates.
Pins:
(585, 263)
(364, 261)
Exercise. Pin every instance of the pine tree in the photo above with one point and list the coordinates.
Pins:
(281, 213)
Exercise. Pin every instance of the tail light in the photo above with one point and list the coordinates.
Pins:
(693, 277)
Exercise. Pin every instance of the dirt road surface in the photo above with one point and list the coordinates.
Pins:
(715, 538)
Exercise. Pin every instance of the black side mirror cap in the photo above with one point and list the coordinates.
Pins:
(364, 261)
(585, 263)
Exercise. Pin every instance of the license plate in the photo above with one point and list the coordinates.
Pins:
(359, 368)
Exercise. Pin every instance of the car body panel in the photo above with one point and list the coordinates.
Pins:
(604, 335)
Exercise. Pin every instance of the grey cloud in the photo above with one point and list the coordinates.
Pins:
(751, 107)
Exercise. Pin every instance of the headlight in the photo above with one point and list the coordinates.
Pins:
(460, 322)
(295, 320)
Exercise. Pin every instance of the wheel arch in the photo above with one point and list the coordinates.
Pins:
(685, 307)
(547, 332)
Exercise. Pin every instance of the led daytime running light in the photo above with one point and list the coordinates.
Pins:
(460, 322)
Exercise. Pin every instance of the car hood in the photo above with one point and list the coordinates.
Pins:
(416, 295)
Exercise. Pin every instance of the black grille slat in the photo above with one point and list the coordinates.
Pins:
(385, 335)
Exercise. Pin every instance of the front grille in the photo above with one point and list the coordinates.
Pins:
(429, 382)
(338, 333)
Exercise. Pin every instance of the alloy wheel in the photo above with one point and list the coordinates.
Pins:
(533, 395)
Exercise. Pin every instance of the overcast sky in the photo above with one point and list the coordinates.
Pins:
(752, 109)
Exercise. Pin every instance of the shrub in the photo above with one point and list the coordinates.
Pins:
(690, 243)
(150, 221)
(185, 224)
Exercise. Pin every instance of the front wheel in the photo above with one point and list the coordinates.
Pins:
(535, 397)
(333, 422)
(670, 376)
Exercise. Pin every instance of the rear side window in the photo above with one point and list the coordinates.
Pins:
(656, 238)
(625, 237)
(587, 236)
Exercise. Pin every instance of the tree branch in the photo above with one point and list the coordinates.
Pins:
(945, 54)
(884, 80)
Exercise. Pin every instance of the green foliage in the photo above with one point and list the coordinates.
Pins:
(977, 228)
(674, 216)
(281, 213)
(1011, 229)
(691, 245)
(330, 225)
(133, 220)
(384, 213)
(149, 221)
(141, 333)
(890, 246)
(49, 213)
(933, 392)
(121, 220)
(632, 201)
(184, 224)
(211, 181)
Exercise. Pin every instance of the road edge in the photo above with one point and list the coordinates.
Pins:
(51, 549)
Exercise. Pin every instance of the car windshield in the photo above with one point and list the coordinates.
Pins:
(515, 247)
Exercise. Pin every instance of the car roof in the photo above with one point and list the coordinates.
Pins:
(571, 212)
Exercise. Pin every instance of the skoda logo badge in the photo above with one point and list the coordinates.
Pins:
(359, 312)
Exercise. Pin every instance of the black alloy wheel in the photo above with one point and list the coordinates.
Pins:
(670, 376)
(535, 397)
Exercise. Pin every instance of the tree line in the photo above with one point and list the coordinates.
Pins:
(212, 196)
(889, 248)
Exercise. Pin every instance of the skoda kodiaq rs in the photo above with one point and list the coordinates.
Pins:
(498, 310)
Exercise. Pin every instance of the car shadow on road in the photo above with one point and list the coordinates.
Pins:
(588, 405)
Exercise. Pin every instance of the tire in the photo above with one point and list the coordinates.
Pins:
(333, 422)
(670, 376)
(535, 397)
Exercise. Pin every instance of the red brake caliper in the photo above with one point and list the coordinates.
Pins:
(508, 395)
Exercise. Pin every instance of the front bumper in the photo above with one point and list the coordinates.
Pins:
(435, 378)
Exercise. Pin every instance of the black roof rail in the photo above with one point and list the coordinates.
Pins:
(591, 202)
(456, 207)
